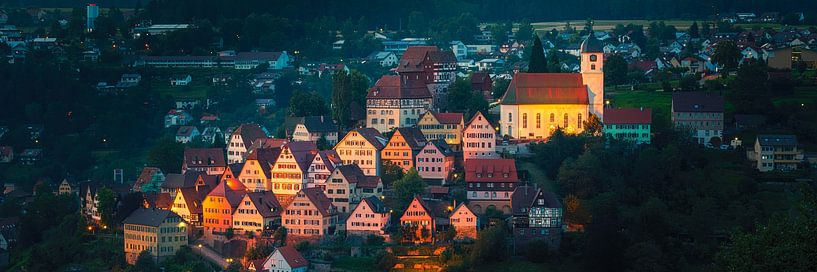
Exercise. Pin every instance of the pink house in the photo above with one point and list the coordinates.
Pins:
(435, 161)
(369, 217)
(465, 222)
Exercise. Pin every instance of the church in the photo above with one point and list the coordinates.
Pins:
(536, 104)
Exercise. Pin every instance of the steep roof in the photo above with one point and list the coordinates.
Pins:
(204, 157)
(435, 208)
(319, 199)
(696, 102)
(546, 88)
(319, 124)
(188, 180)
(413, 58)
(266, 203)
(249, 133)
(628, 116)
(292, 256)
(303, 152)
(413, 137)
(373, 137)
(266, 158)
(392, 87)
(442, 147)
(149, 217)
(146, 176)
(375, 204)
(231, 189)
(159, 200)
(490, 170)
(447, 117)
(522, 197)
(185, 131)
(193, 199)
(330, 158)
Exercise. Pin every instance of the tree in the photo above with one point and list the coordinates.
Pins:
(391, 173)
(284, 87)
(579, 176)
(307, 104)
(409, 186)
(588, 27)
(706, 30)
(537, 63)
(167, 155)
(615, 70)
(537, 251)
(693, 31)
(107, 205)
(347, 89)
(689, 83)
(727, 54)
(575, 211)
(500, 87)
(490, 246)
(280, 236)
(593, 126)
(145, 263)
(525, 31)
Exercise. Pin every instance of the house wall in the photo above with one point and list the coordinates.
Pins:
(433, 130)
(277, 263)
(217, 215)
(161, 242)
(704, 125)
(385, 114)
(236, 151)
(416, 215)
(287, 177)
(180, 207)
(338, 189)
(432, 164)
(479, 140)
(363, 221)
(247, 218)
(398, 152)
(354, 149)
(637, 133)
(465, 223)
(520, 121)
(302, 218)
(253, 177)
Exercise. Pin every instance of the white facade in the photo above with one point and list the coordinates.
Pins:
(479, 139)
(365, 220)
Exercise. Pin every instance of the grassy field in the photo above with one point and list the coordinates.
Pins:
(537, 175)
(198, 87)
(355, 264)
(806, 94)
(607, 24)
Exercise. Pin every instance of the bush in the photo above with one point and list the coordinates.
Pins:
(386, 261)
(537, 251)
(303, 246)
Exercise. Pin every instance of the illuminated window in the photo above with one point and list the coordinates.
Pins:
(566, 120)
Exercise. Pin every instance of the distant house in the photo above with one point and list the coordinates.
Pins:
(347, 185)
(785, 58)
(369, 217)
(460, 51)
(362, 147)
(310, 213)
(251, 60)
(176, 117)
(537, 215)
(159, 232)
(30, 156)
(748, 121)
(211, 134)
(131, 78)
(490, 183)
(482, 84)
(180, 80)
(329, 69)
(207, 160)
(338, 45)
(314, 128)
(190, 179)
(256, 212)
(479, 138)
(490, 64)
(285, 259)
(188, 204)
(149, 180)
(465, 222)
(241, 140)
(187, 103)
(221, 79)
(423, 218)
(263, 104)
(777, 152)
(701, 113)
(628, 124)
(185, 134)
(403, 146)
(435, 161)
(693, 64)
(628, 50)
(385, 59)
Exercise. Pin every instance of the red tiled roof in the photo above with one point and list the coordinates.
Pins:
(249, 133)
(390, 86)
(628, 116)
(448, 117)
(204, 157)
(643, 65)
(490, 170)
(292, 256)
(546, 88)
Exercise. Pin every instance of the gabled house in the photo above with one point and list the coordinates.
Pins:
(403, 147)
(420, 67)
(207, 160)
(189, 179)
(369, 217)
(30, 156)
(310, 213)
(285, 259)
(490, 183)
(188, 203)
(701, 113)
(482, 84)
(383, 58)
(435, 161)
(443, 126)
(537, 215)
(185, 134)
(776, 152)
(256, 212)
(256, 172)
(219, 206)
(423, 218)
(478, 139)
(347, 185)
(362, 147)
(68, 188)
(396, 102)
(465, 222)
(629, 124)
(149, 180)
(240, 141)
(314, 128)
(177, 117)
(290, 171)
(180, 80)
(322, 166)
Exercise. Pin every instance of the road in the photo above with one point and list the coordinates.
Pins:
(208, 253)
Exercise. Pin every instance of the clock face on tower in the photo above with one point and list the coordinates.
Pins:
(593, 57)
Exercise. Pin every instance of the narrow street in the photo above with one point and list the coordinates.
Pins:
(208, 253)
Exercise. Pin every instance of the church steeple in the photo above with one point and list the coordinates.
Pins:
(592, 69)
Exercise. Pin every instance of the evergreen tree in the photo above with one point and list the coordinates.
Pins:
(693, 30)
(537, 63)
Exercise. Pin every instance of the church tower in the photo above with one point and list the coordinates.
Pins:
(592, 51)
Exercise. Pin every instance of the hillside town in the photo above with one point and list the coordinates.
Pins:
(512, 145)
